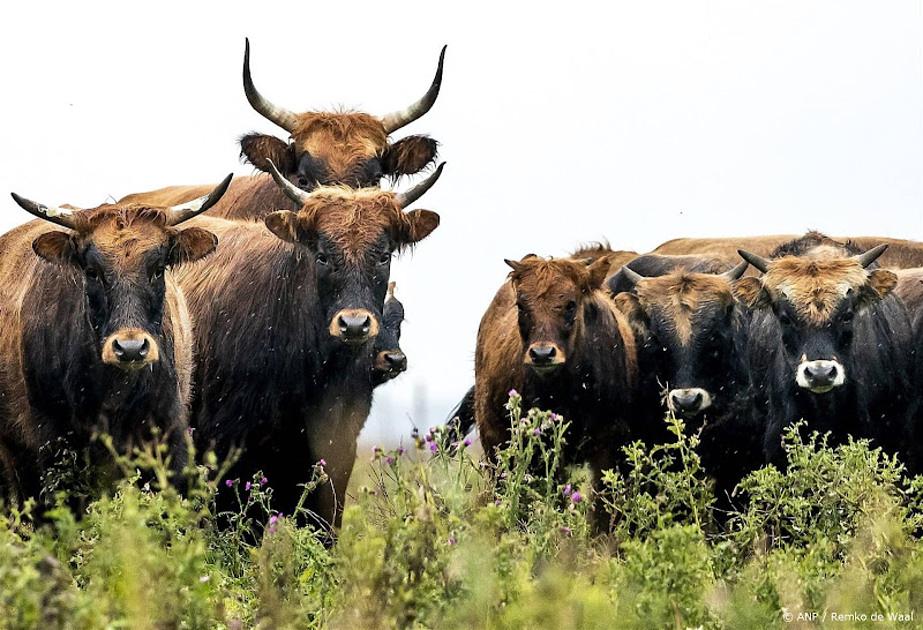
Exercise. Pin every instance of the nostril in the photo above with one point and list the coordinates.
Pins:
(396, 359)
(117, 348)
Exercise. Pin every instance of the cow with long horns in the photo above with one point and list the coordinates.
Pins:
(96, 337)
(692, 338)
(829, 343)
(323, 149)
(287, 313)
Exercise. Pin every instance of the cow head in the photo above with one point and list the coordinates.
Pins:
(552, 297)
(814, 302)
(352, 235)
(390, 360)
(122, 253)
(686, 324)
(351, 148)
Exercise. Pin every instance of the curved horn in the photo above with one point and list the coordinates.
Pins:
(291, 190)
(282, 117)
(631, 275)
(391, 286)
(870, 256)
(400, 118)
(735, 273)
(757, 261)
(54, 214)
(185, 211)
(404, 199)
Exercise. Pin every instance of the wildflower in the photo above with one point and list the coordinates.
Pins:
(567, 531)
(229, 483)
(322, 462)
(263, 481)
(467, 442)
(513, 393)
(247, 486)
(567, 490)
(389, 460)
(452, 540)
(433, 448)
(536, 431)
(576, 497)
(400, 451)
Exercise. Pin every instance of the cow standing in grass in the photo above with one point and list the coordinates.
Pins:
(829, 343)
(323, 149)
(287, 312)
(552, 333)
(96, 336)
(692, 338)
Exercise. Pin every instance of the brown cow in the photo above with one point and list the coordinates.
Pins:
(901, 254)
(287, 313)
(324, 148)
(95, 335)
(552, 333)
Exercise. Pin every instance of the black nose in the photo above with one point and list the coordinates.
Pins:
(686, 400)
(542, 355)
(820, 375)
(130, 350)
(354, 327)
(396, 360)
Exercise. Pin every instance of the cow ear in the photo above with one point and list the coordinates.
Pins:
(629, 305)
(596, 273)
(290, 226)
(408, 156)
(418, 224)
(192, 244)
(56, 247)
(258, 149)
(881, 282)
(751, 293)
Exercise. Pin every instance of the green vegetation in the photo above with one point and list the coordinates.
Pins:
(438, 540)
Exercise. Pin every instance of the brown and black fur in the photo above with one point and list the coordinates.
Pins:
(562, 303)
(67, 293)
(271, 377)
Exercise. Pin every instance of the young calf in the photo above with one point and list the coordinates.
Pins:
(390, 361)
(95, 335)
(553, 334)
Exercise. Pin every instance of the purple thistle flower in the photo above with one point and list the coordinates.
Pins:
(389, 460)
(263, 481)
(467, 442)
(229, 483)
(567, 490)
(576, 497)
(452, 540)
(247, 486)
(567, 531)
(536, 431)
(513, 393)
(322, 462)
(401, 450)
(433, 448)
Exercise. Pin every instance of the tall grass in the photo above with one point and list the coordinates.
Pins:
(436, 538)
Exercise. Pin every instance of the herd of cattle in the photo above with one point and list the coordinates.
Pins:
(264, 327)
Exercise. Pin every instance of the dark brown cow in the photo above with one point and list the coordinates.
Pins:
(553, 334)
(95, 335)
(901, 254)
(390, 360)
(324, 148)
(287, 313)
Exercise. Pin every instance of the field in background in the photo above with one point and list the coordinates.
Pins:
(433, 538)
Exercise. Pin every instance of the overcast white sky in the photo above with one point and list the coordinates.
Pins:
(637, 122)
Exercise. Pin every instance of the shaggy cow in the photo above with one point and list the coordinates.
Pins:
(390, 360)
(323, 148)
(95, 334)
(287, 313)
(829, 341)
(553, 334)
(691, 334)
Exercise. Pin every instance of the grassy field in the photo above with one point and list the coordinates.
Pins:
(435, 539)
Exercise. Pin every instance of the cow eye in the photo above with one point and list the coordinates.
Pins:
(385, 258)
(847, 317)
(321, 258)
(157, 273)
(92, 273)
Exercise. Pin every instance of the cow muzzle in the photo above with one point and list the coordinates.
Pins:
(544, 357)
(130, 349)
(354, 325)
(819, 377)
(391, 362)
(688, 401)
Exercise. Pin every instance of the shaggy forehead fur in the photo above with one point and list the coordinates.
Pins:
(341, 139)
(539, 279)
(125, 232)
(354, 219)
(814, 286)
(680, 295)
